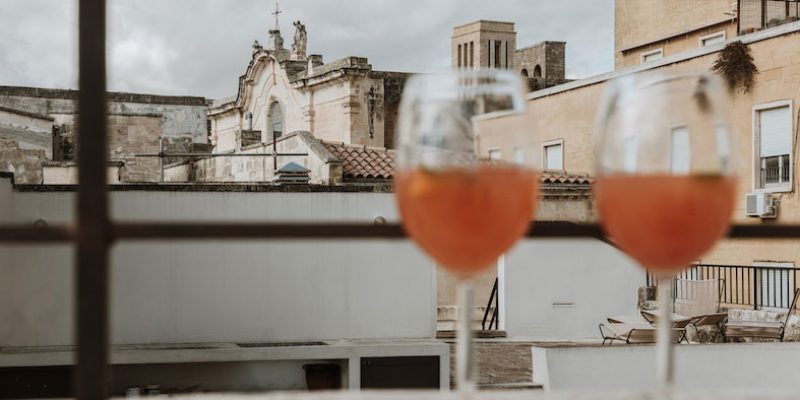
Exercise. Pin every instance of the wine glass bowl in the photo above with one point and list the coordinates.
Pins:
(666, 181)
(460, 207)
(459, 200)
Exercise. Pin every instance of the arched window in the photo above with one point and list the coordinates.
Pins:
(537, 72)
(276, 119)
(524, 72)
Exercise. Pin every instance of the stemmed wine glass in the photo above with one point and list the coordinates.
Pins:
(665, 177)
(461, 207)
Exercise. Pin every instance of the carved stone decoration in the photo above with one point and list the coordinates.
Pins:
(276, 40)
(256, 47)
(300, 41)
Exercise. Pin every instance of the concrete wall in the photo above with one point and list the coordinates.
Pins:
(66, 173)
(212, 291)
(561, 289)
(733, 367)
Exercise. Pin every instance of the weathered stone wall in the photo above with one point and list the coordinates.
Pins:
(130, 135)
(480, 33)
(26, 165)
(325, 168)
(549, 56)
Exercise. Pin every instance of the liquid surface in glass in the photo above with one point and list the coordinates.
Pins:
(466, 218)
(665, 221)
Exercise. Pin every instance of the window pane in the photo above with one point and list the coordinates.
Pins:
(494, 154)
(554, 157)
(771, 170)
(653, 56)
(713, 40)
(680, 151)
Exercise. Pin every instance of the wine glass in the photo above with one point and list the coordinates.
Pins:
(665, 177)
(459, 199)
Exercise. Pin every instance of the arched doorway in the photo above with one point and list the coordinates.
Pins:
(537, 72)
(524, 72)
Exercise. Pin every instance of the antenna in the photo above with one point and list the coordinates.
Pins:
(277, 13)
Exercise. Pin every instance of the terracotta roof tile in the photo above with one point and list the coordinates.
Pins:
(362, 162)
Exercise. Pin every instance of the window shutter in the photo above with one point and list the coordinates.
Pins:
(554, 156)
(775, 131)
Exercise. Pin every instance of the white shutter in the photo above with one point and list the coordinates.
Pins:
(554, 157)
(680, 151)
(775, 285)
(775, 131)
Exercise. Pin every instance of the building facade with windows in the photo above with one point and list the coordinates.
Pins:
(764, 119)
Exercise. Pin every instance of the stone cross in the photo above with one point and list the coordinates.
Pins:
(277, 13)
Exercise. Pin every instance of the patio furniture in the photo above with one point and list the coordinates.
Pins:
(678, 321)
(635, 333)
(761, 329)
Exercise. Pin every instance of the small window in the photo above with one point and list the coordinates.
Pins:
(712, 39)
(459, 56)
(775, 142)
(680, 156)
(471, 54)
(276, 119)
(656, 54)
(553, 153)
(537, 71)
(519, 156)
(497, 54)
(524, 72)
(494, 154)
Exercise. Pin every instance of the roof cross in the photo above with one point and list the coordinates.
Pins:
(277, 13)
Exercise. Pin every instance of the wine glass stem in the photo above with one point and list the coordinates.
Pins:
(665, 353)
(465, 363)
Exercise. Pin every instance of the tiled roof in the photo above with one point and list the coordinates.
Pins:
(362, 162)
(564, 177)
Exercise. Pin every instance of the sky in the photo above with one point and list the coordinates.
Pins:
(201, 47)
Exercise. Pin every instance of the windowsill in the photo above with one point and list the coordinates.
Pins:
(777, 189)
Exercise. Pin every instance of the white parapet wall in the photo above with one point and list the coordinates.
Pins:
(735, 367)
(220, 291)
(562, 289)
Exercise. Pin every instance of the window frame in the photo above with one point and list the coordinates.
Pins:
(755, 134)
(489, 152)
(646, 54)
(712, 36)
(551, 143)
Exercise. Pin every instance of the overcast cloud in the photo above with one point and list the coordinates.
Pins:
(200, 47)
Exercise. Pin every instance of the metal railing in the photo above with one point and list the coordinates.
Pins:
(746, 285)
(494, 300)
(755, 15)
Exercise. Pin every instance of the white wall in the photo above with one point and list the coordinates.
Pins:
(750, 367)
(211, 291)
(590, 279)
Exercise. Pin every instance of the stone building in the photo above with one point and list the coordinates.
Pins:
(44, 119)
(283, 92)
(683, 30)
(493, 44)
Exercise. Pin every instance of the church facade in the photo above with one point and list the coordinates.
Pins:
(285, 91)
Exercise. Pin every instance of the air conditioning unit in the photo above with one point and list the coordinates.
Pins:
(760, 205)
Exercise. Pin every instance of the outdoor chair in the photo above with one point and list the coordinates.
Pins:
(635, 333)
(761, 329)
(678, 321)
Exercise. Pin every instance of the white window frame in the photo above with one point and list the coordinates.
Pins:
(492, 149)
(671, 149)
(549, 143)
(756, 156)
(712, 36)
(646, 54)
(786, 265)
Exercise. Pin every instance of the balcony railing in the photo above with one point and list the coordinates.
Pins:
(756, 287)
(755, 15)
